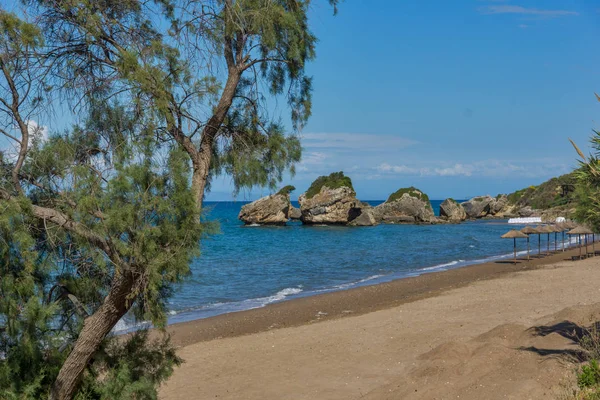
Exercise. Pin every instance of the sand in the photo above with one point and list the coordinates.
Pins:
(491, 331)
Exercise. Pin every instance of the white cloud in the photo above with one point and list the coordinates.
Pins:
(508, 9)
(455, 170)
(311, 159)
(355, 141)
(487, 168)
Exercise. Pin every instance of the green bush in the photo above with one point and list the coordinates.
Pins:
(412, 191)
(286, 190)
(589, 375)
(333, 181)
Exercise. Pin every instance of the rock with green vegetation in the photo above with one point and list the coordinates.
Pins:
(335, 180)
(452, 211)
(269, 210)
(407, 205)
(330, 200)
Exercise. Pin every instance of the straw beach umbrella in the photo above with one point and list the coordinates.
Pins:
(540, 230)
(514, 234)
(555, 228)
(567, 226)
(528, 230)
(547, 230)
(580, 230)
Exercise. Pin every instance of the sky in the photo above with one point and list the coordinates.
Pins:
(456, 98)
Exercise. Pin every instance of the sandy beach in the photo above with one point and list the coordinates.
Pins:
(488, 331)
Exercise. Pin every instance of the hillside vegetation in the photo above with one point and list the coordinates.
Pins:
(556, 192)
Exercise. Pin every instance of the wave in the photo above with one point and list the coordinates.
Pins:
(442, 266)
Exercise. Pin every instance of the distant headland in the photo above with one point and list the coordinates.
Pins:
(331, 200)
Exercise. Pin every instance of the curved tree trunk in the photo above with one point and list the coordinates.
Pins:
(95, 329)
(203, 157)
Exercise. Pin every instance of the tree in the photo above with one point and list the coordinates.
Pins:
(587, 188)
(99, 221)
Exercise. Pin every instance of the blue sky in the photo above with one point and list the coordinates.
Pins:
(457, 98)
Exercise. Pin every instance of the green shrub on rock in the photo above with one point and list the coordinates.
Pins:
(333, 181)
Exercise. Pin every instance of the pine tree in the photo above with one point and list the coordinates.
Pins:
(99, 220)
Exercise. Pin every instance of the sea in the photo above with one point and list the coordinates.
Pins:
(245, 267)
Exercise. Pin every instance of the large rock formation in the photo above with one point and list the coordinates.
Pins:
(269, 210)
(407, 205)
(478, 207)
(452, 211)
(330, 200)
(295, 213)
(498, 204)
(366, 216)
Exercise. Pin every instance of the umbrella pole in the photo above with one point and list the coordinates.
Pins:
(563, 241)
(579, 237)
(555, 244)
(548, 246)
(586, 243)
(539, 245)
(515, 249)
(527, 247)
(594, 244)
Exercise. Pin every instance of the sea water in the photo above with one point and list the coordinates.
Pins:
(246, 267)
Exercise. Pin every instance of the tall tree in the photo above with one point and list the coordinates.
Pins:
(100, 220)
(588, 183)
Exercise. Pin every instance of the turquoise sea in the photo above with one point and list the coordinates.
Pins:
(246, 267)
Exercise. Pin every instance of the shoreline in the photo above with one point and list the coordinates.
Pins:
(350, 302)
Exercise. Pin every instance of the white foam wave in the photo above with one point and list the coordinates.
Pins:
(252, 225)
(282, 294)
(442, 266)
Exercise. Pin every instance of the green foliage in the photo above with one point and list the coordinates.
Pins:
(149, 215)
(129, 370)
(333, 181)
(286, 190)
(555, 192)
(589, 375)
(111, 200)
(411, 191)
(588, 186)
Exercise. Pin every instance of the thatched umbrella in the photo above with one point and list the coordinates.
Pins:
(548, 230)
(538, 231)
(528, 230)
(555, 228)
(567, 226)
(560, 227)
(580, 230)
(541, 229)
(514, 234)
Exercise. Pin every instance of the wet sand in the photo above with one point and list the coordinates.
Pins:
(438, 335)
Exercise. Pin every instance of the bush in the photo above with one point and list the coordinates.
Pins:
(286, 190)
(589, 375)
(333, 181)
(412, 191)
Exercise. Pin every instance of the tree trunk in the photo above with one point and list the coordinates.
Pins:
(95, 329)
(204, 156)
